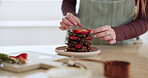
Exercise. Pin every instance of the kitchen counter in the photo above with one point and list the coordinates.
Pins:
(136, 54)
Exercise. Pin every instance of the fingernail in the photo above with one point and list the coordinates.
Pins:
(95, 36)
(71, 27)
(91, 32)
(75, 23)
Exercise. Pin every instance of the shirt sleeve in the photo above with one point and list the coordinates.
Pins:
(134, 28)
(69, 6)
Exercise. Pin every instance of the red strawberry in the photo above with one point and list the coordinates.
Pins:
(81, 31)
(84, 31)
(78, 46)
(90, 48)
(21, 59)
(14, 60)
(76, 31)
(24, 55)
(73, 37)
(89, 38)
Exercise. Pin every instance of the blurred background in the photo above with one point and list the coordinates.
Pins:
(33, 22)
(30, 22)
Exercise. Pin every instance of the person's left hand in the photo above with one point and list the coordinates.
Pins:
(105, 33)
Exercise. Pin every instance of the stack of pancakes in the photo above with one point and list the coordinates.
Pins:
(79, 40)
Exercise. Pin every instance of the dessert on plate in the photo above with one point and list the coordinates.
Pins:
(79, 40)
(19, 59)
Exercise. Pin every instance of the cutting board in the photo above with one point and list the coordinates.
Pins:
(36, 60)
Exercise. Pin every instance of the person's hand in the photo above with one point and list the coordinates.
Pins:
(70, 21)
(105, 33)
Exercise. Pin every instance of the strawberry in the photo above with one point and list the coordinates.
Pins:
(24, 55)
(89, 38)
(78, 46)
(84, 31)
(90, 48)
(81, 31)
(76, 31)
(22, 60)
(73, 37)
(14, 60)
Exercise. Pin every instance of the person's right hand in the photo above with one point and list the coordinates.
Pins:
(70, 21)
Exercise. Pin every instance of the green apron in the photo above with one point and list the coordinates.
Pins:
(97, 13)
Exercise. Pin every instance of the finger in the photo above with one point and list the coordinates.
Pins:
(111, 41)
(62, 28)
(101, 34)
(63, 24)
(105, 38)
(101, 29)
(65, 20)
(71, 19)
(78, 23)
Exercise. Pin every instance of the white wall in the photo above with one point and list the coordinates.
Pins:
(30, 10)
(30, 22)
(31, 36)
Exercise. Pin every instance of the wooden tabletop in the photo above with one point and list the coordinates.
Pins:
(136, 54)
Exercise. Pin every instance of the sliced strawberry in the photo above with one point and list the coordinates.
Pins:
(76, 31)
(90, 48)
(73, 37)
(14, 60)
(22, 59)
(81, 31)
(24, 55)
(78, 46)
(84, 31)
(89, 38)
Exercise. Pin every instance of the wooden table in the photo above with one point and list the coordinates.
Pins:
(136, 54)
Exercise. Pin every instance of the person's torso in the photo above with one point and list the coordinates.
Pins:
(97, 13)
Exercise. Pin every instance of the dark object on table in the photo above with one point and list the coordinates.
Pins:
(117, 69)
(114, 69)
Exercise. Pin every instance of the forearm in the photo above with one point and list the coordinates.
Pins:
(134, 28)
(68, 6)
(131, 30)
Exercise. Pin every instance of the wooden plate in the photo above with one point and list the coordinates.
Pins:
(62, 51)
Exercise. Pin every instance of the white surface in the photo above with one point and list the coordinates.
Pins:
(144, 38)
(69, 73)
(49, 49)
